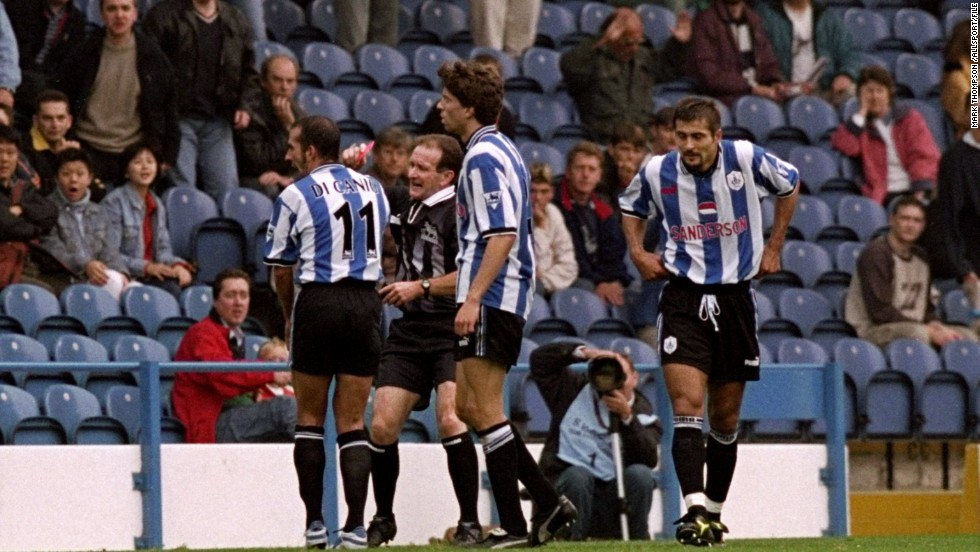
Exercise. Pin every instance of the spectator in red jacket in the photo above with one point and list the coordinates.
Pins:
(199, 398)
(907, 161)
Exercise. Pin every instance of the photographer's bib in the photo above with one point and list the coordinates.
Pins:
(583, 436)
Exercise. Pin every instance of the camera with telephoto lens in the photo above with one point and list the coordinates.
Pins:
(606, 374)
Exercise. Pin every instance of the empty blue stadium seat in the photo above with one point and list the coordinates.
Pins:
(110, 329)
(917, 26)
(442, 18)
(866, 27)
(918, 72)
(772, 332)
(772, 285)
(252, 345)
(282, 16)
(379, 110)
(171, 332)
(39, 430)
(327, 61)
(758, 115)
(956, 308)
(139, 348)
(554, 22)
(77, 411)
(382, 62)
(640, 351)
(251, 208)
(420, 103)
(764, 307)
(29, 304)
(805, 308)
(814, 115)
(186, 208)
(580, 307)
(543, 115)
(806, 260)
(79, 348)
(592, 16)
(149, 305)
(314, 101)
(811, 216)
(536, 152)
(217, 244)
(815, 164)
(541, 64)
(944, 406)
(658, 23)
(427, 60)
(861, 214)
(15, 405)
(88, 303)
(123, 404)
(914, 358)
(321, 15)
(539, 416)
(195, 301)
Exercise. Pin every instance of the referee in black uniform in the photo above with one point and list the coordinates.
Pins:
(325, 237)
(418, 354)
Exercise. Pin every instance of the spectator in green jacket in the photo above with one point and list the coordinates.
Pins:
(813, 48)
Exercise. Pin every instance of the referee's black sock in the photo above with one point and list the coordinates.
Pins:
(385, 466)
(722, 453)
(542, 491)
(500, 453)
(688, 453)
(355, 469)
(464, 470)
(310, 460)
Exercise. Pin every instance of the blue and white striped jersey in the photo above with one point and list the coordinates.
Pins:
(492, 199)
(710, 225)
(331, 222)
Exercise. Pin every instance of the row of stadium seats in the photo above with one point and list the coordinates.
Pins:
(68, 414)
(909, 391)
(90, 311)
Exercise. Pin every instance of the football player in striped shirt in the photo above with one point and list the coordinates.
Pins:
(324, 237)
(494, 290)
(706, 198)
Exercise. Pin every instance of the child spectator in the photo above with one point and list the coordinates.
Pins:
(81, 239)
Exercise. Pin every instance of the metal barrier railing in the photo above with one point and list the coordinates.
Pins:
(798, 391)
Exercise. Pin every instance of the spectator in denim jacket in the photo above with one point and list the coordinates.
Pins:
(138, 223)
(80, 240)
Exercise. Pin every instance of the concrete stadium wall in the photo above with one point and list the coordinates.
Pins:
(246, 496)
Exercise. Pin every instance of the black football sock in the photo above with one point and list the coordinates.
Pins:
(542, 491)
(464, 470)
(500, 454)
(688, 452)
(355, 469)
(722, 453)
(385, 465)
(310, 460)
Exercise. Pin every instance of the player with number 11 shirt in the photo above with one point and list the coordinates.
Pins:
(325, 237)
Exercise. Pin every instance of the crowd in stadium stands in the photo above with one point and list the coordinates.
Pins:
(121, 104)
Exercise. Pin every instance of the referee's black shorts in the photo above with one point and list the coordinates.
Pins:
(418, 355)
(336, 329)
(712, 328)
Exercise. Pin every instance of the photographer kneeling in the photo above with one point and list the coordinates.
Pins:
(578, 454)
